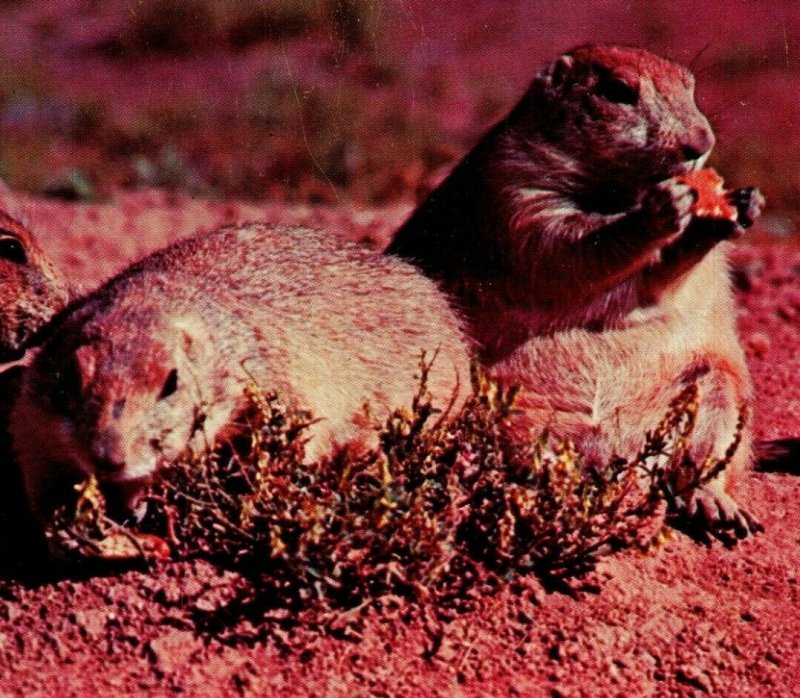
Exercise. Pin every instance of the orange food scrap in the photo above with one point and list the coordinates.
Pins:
(122, 545)
(712, 200)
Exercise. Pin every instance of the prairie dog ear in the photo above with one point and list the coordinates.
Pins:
(544, 93)
(193, 336)
(85, 366)
(555, 74)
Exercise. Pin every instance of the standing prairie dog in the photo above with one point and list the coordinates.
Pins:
(31, 290)
(127, 375)
(567, 241)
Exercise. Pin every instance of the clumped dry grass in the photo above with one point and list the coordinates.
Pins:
(444, 504)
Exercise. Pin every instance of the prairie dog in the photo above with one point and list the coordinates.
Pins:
(31, 290)
(569, 246)
(128, 374)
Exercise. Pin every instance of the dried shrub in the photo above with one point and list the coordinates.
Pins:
(445, 503)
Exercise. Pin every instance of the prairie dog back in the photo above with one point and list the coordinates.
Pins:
(127, 375)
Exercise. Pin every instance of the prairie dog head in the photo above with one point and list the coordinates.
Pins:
(112, 404)
(620, 112)
(31, 290)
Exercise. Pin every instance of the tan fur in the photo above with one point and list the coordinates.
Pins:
(31, 290)
(568, 244)
(126, 375)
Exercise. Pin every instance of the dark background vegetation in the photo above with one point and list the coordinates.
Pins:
(351, 100)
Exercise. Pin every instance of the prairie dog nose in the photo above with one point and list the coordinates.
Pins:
(108, 458)
(697, 143)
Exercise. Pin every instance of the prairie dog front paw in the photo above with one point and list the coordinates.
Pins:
(667, 208)
(749, 203)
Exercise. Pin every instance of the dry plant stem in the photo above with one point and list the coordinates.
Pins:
(438, 509)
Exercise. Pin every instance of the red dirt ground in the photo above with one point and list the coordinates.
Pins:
(686, 620)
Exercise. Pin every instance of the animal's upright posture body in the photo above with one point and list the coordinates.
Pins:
(567, 241)
(127, 375)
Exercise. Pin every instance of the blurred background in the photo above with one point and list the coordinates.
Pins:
(361, 101)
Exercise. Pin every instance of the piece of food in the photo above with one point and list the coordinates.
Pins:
(712, 198)
(123, 545)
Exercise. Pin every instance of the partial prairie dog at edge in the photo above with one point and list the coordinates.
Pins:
(567, 241)
(31, 288)
(127, 375)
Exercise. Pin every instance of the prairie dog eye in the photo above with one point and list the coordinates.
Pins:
(11, 248)
(170, 384)
(615, 90)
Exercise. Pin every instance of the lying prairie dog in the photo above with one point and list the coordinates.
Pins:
(127, 376)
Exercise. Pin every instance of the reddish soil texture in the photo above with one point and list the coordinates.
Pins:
(686, 620)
